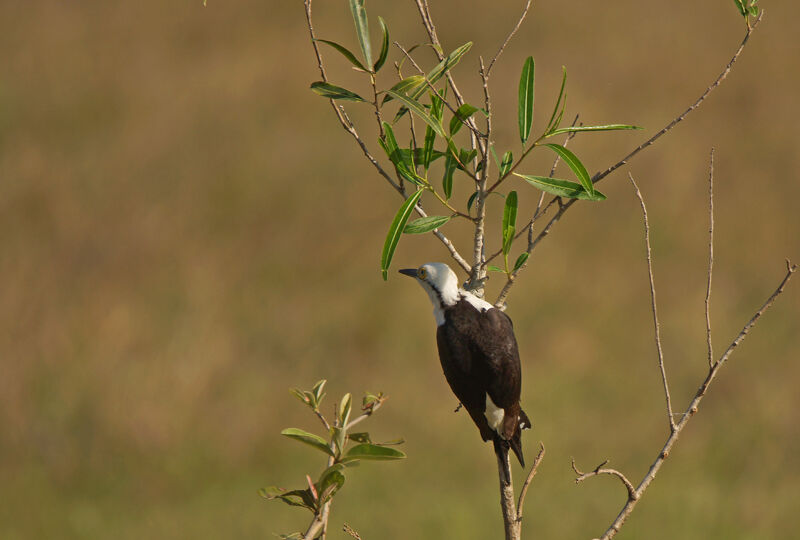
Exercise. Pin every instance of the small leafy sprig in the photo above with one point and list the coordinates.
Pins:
(343, 449)
(747, 8)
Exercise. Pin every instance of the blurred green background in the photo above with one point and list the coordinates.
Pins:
(186, 232)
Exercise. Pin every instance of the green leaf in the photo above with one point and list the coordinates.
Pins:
(331, 481)
(338, 438)
(740, 4)
(505, 165)
(509, 221)
(331, 91)
(401, 158)
(448, 63)
(308, 438)
(362, 28)
(607, 127)
(297, 497)
(300, 395)
(493, 268)
(372, 452)
(562, 188)
(425, 224)
(464, 157)
(346, 53)
(574, 164)
(395, 230)
(521, 260)
(450, 165)
(526, 96)
(430, 135)
(384, 45)
(417, 108)
(435, 74)
(406, 86)
(317, 390)
(462, 113)
(344, 409)
(553, 123)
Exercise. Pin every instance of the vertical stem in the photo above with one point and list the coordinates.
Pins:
(510, 522)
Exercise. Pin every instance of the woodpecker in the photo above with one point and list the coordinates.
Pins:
(479, 357)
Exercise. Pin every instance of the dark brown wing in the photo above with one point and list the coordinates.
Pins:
(479, 356)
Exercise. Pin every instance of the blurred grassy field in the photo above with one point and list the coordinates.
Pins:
(186, 232)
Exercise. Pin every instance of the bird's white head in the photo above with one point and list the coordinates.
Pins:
(438, 280)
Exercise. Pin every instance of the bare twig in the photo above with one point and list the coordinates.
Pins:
(654, 306)
(630, 504)
(510, 35)
(349, 530)
(581, 476)
(524, 491)
(710, 256)
(722, 76)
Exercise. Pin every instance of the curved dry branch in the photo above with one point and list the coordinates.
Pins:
(581, 476)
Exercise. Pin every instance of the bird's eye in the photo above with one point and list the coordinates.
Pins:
(421, 273)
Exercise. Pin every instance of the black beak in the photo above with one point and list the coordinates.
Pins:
(412, 272)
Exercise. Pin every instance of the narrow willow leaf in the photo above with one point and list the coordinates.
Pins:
(740, 5)
(362, 28)
(608, 127)
(447, 180)
(395, 230)
(417, 108)
(406, 86)
(430, 135)
(425, 224)
(464, 157)
(505, 165)
(384, 46)
(405, 154)
(493, 268)
(526, 96)
(462, 113)
(338, 438)
(332, 91)
(372, 452)
(552, 124)
(448, 63)
(509, 221)
(574, 164)
(346, 53)
(436, 73)
(562, 188)
(401, 158)
(344, 409)
(308, 438)
(521, 260)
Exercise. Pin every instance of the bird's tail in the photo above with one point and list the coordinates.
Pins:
(501, 449)
(516, 439)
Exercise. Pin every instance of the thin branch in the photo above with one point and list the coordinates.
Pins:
(510, 35)
(722, 76)
(511, 523)
(614, 528)
(654, 306)
(524, 491)
(710, 256)
(581, 476)
(349, 530)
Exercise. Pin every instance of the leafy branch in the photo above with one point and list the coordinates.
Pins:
(343, 449)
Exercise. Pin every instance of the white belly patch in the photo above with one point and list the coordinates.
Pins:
(494, 414)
